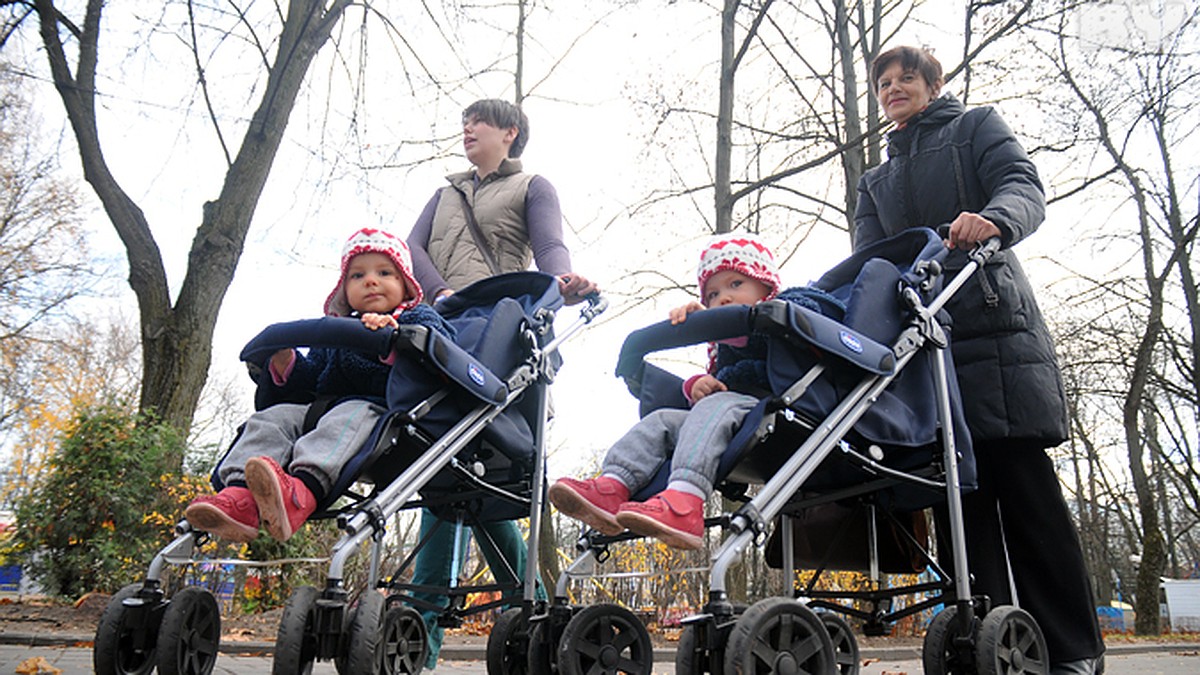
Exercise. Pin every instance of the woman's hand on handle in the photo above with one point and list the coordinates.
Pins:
(574, 288)
(969, 229)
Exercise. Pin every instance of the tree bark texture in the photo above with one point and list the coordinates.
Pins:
(177, 339)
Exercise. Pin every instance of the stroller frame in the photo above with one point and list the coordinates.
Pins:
(142, 629)
(968, 636)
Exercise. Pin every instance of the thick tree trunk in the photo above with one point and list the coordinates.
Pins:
(177, 340)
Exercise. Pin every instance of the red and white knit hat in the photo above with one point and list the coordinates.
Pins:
(370, 240)
(740, 252)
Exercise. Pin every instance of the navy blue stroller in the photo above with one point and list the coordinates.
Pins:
(464, 435)
(862, 428)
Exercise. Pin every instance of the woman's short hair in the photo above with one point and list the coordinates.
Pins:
(911, 58)
(502, 115)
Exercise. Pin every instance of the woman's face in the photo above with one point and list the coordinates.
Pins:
(485, 145)
(903, 93)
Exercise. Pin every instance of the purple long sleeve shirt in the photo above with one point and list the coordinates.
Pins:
(543, 220)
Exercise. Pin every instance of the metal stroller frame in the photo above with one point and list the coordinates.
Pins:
(142, 629)
(785, 634)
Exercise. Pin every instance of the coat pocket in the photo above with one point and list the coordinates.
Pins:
(989, 303)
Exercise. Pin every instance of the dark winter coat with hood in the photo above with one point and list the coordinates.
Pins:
(947, 160)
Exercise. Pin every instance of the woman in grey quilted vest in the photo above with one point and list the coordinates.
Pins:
(965, 168)
(491, 219)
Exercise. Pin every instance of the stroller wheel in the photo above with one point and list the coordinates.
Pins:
(696, 660)
(845, 645)
(126, 637)
(687, 661)
(779, 635)
(405, 642)
(939, 655)
(1011, 642)
(296, 642)
(605, 639)
(362, 655)
(191, 633)
(508, 644)
(542, 647)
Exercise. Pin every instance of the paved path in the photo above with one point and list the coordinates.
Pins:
(467, 659)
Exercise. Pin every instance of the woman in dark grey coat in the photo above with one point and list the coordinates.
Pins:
(948, 165)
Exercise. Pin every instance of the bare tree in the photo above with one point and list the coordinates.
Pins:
(177, 335)
(789, 149)
(43, 251)
(1133, 96)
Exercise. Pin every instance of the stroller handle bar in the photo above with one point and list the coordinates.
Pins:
(772, 316)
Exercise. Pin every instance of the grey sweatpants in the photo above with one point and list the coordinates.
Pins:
(693, 440)
(276, 432)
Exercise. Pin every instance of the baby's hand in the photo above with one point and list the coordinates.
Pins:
(377, 321)
(678, 314)
(280, 361)
(705, 385)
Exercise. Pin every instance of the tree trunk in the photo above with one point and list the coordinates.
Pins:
(724, 150)
(853, 160)
(177, 340)
(548, 550)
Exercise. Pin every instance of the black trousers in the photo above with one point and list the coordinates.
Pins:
(1019, 504)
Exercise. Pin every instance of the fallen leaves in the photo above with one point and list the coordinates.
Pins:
(37, 665)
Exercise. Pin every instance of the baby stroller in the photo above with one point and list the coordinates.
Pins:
(464, 435)
(863, 421)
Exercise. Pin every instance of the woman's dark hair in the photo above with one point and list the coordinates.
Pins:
(502, 115)
(911, 58)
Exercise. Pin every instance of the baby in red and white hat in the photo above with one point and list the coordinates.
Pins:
(735, 269)
(278, 472)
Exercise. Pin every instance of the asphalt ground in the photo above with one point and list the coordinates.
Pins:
(73, 655)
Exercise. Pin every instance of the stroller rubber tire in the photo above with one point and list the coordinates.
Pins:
(605, 639)
(404, 645)
(191, 633)
(112, 651)
(845, 645)
(508, 644)
(779, 634)
(296, 642)
(938, 655)
(686, 660)
(361, 654)
(542, 647)
(1010, 641)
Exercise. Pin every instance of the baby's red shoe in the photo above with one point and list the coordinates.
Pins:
(284, 502)
(230, 514)
(674, 518)
(594, 501)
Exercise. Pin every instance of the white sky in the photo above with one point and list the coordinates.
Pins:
(587, 138)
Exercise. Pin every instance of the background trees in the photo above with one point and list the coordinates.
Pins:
(176, 333)
(1121, 102)
(659, 124)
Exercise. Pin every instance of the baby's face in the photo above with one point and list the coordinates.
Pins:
(728, 287)
(374, 284)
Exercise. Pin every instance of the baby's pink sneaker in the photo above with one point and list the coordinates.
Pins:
(284, 502)
(230, 514)
(674, 518)
(594, 501)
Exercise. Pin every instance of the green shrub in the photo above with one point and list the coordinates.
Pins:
(103, 505)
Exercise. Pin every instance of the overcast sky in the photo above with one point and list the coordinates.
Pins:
(588, 138)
